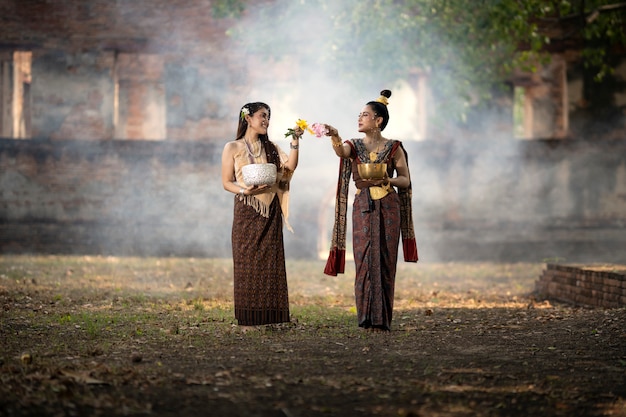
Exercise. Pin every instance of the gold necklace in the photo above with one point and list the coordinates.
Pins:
(374, 153)
(250, 150)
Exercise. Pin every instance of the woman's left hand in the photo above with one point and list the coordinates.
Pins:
(378, 183)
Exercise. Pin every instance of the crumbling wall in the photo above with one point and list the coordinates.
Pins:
(162, 76)
(536, 201)
(596, 285)
(112, 197)
(159, 70)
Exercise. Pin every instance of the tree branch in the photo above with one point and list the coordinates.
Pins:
(606, 8)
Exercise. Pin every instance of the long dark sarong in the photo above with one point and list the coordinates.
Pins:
(375, 238)
(261, 295)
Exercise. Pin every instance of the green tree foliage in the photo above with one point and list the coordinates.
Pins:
(466, 47)
(227, 8)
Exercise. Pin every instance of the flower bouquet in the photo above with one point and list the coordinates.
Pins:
(317, 129)
(302, 124)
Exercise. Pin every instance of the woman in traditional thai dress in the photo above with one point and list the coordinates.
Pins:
(381, 214)
(260, 279)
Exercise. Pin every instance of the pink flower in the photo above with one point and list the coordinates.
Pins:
(319, 129)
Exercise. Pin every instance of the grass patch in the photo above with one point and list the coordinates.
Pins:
(149, 336)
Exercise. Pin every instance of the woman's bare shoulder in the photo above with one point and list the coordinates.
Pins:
(232, 146)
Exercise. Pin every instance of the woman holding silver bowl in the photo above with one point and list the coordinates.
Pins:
(381, 213)
(258, 172)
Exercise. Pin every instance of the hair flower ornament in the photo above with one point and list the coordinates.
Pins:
(302, 124)
(244, 112)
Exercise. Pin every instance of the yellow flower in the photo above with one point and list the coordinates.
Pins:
(302, 124)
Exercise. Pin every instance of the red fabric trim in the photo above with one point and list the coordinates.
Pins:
(336, 262)
(409, 248)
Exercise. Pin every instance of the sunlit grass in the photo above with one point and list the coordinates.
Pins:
(96, 299)
(120, 281)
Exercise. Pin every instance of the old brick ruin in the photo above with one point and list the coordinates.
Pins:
(586, 285)
(114, 114)
(127, 70)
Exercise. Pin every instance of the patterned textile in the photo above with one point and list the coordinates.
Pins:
(375, 237)
(261, 295)
(347, 167)
(336, 262)
(377, 228)
(261, 202)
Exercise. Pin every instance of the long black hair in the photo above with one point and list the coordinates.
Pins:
(270, 149)
(380, 109)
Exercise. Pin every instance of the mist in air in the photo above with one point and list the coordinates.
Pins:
(490, 181)
(476, 196)
(315, 90)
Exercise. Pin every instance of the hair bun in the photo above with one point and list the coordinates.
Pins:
(384, 95)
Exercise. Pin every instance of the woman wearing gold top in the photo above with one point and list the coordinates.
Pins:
(381, 214)
(260, 279)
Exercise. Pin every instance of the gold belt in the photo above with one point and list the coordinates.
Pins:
(376, 193)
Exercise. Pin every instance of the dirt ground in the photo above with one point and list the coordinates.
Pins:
(156, 337)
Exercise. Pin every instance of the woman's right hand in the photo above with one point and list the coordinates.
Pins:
(331, 131)
(336, 141)
(256, 189)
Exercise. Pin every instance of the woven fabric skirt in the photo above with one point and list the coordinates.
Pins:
(260, 277)
(375, 238)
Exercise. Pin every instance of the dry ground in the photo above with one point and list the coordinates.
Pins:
(127, 336)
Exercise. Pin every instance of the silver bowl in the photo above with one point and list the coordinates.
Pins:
(259, 174)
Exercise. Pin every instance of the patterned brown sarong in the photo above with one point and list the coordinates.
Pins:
(261, 295)
(375, 235)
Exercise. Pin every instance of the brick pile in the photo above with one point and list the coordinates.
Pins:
(601, 285)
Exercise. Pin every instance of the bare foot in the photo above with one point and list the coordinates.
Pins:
(246, 329)
(377, 330)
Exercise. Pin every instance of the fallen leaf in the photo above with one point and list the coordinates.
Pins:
(82, 377)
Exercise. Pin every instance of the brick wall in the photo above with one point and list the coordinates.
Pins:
(542, 201)
(165, 70)
(596, 285)
(121, 197)
(125, 69)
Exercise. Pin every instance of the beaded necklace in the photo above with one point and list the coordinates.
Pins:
(250, 150)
